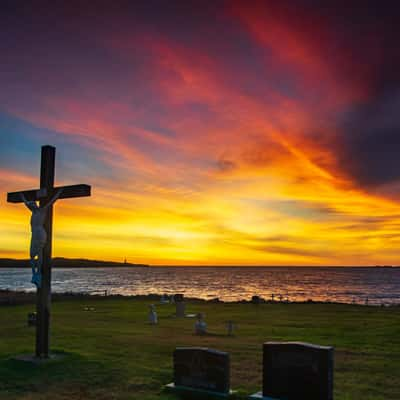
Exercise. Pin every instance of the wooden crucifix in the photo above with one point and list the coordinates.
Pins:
(42, 227)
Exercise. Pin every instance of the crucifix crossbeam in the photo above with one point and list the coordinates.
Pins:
(41, 242)
(67, 192)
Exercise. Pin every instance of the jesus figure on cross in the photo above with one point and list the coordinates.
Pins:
(39, 235)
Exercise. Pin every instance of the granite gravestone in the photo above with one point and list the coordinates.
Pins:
(200, 327)
(32, 319)
(230, 326)
(153, 319)
(180, 305)
(201, 370)
(295, 370)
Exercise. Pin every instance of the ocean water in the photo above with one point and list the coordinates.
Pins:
(345, 285)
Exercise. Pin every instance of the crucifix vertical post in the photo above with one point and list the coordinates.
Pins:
(43, 302)
(41, 240)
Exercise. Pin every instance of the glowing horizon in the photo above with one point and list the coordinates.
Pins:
(223, 135)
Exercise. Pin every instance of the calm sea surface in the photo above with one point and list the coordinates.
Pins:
(347, 285)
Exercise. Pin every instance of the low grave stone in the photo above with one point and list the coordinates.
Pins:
(296, 371)
(200, 327)
(180, 305)
(32, 319)
(230, 326)
(153, 319)
(164, 299)
(201, 372)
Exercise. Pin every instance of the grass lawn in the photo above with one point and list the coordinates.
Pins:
(112, 353)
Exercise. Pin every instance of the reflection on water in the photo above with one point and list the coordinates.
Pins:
(347, 285)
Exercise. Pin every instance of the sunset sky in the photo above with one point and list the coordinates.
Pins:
(219, 132)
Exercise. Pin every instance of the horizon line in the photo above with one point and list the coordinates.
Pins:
(210, 265)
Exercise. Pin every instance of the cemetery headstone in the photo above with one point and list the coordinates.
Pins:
(199, 370)
(32, 319)
(153, 319)
(164, 299)
(295, 370)
(230, 326)
(180, 305)
(200, 327)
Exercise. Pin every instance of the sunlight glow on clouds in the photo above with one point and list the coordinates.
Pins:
(226, 135)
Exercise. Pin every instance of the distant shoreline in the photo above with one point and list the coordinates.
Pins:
(19, 297)
(60, 262)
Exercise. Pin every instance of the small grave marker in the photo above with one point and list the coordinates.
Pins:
(164, 299)
(295, 370)
(202, 372)
(153, 319)
(32, 319)
(180, 305)
(200, 327)
(230, 326)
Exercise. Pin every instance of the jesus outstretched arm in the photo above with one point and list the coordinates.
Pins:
(33, 206)
(29, 204)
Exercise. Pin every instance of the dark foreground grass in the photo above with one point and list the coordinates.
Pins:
(112, 353)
